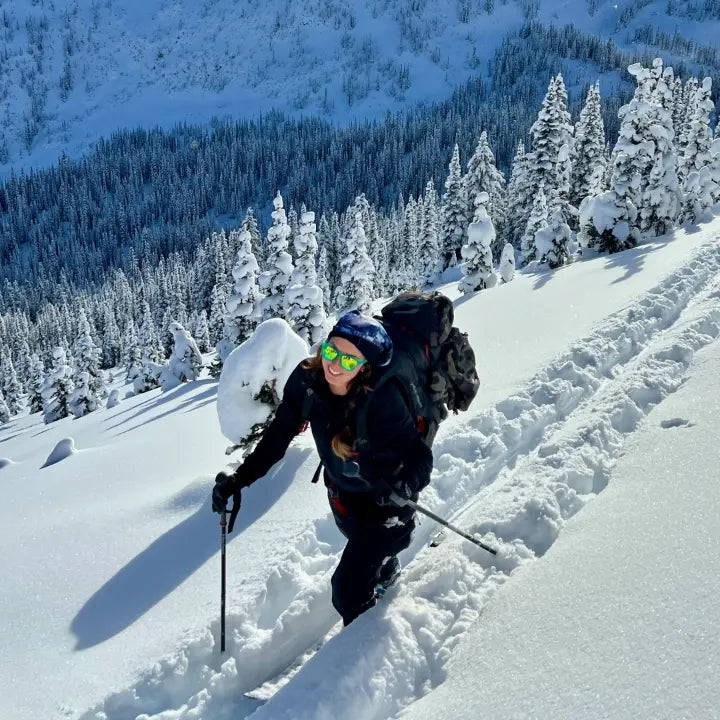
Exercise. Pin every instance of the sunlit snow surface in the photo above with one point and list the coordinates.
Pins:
(111, 572)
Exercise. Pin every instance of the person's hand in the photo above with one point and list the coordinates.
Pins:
(224, 489)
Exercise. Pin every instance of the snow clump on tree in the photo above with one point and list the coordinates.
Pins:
(185, 360)
(253, 378)
(477, 269)
(304, 297)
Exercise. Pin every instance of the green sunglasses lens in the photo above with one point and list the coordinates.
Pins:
(349, 363)
(329, 352)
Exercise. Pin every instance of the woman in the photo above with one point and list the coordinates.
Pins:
(328, 390)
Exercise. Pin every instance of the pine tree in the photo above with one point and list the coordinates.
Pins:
(589, 165)
(35, 384)
(11, 387)
(322, 275)
(552, 242)
(660, 203)
(57, 388)
(549, 161)
(185, 362)
(304, 297)
(429, 256)
(4, 410)
(453, 214)
(356, 271)
(87, 360)
(483, 176)
(610, 219)
(275, 279)
(131, 353)
(538, 219)
(242, 309)
(201, 332)
(521, 194)
(477, 269)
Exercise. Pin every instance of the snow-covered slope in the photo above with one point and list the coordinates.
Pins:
(72, 73)
(110, 590)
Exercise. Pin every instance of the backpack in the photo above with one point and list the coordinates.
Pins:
(432, 362)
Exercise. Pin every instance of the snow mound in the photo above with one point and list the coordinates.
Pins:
(5, 461)
(62, 450)
(271, 353)
(113, 399)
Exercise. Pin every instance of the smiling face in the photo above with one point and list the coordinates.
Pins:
(338, 379)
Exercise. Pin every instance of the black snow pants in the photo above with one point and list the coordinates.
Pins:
(375, 534)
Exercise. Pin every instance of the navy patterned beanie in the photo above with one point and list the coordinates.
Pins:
(368, 336)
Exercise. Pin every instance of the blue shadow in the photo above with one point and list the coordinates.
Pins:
(172, 558)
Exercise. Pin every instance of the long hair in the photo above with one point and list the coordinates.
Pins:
(342, 442)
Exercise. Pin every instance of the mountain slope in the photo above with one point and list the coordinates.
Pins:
(73, 74)
(113, 590)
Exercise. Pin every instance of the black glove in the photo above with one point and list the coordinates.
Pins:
(224, 489)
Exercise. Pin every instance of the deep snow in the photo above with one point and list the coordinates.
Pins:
(111, 591)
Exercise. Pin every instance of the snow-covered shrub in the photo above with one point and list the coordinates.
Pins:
(507, 263)
(83, 398)
(113, 399)
(253, 378)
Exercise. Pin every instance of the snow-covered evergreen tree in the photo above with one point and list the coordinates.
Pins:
(610, 219)
(552, 242)
(35, 384)
(483, 176)
(538, 219)
(4, 410)
(507, 263)
(201, 331)
(661, 199)
(589, 164)
(477, 269)
(356, 268)
(305, 311)
(520, 194)
(549, 161)
(242, 310)
(87, 360)
(111, 344)
(453, 213)
(148, 340)
(275, 279)
(83, 398)
(695, 168)
(429, 242)
(218, 304)
(131, 353)
(58, 387)
(11, 387)
(185, 361)
(323, 277)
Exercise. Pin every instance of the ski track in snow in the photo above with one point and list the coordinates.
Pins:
(514, 473)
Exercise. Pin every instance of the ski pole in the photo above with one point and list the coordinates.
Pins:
(398, 500)
(223, 539)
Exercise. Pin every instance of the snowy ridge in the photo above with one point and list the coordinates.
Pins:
(522, 470)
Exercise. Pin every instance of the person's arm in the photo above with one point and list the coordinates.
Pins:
(275, 440)
(399, 457)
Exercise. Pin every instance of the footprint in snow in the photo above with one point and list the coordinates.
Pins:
(676, 423)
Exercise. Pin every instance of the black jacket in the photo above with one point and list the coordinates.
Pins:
(396, 454)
